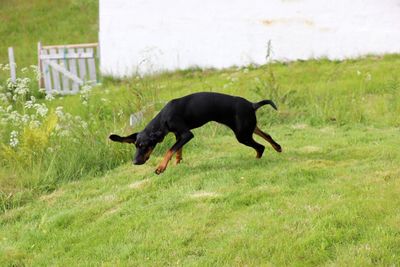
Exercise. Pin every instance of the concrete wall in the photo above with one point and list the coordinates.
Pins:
(151, 35)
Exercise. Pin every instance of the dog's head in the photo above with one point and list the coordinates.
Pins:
(145, 143)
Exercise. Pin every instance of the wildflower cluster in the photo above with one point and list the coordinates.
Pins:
(21, 111)
(84, 93)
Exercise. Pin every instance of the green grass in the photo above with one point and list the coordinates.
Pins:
(330, 198)
(24, 23)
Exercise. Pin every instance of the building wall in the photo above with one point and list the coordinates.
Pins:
(142, 36)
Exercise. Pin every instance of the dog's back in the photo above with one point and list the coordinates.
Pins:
(199, 108)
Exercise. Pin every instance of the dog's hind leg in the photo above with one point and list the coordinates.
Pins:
(178, 152)
(243, 129)
(178, 156)
(269, 139)
(249, 141)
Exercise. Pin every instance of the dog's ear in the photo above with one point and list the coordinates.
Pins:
(131, 139)
(157, 136)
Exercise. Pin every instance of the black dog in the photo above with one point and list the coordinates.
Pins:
(183, 114)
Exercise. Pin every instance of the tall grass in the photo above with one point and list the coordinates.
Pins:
(43, 144)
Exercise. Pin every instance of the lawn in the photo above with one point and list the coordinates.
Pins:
(24, 23)
(330, 199)
(70, 197)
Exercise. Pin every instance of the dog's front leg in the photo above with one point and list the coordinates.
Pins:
(182, 140)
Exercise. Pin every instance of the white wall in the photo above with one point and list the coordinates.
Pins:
(151, 35)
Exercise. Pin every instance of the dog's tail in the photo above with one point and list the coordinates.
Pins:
(264, 102)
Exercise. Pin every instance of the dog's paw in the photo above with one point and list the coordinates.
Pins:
(160, 169)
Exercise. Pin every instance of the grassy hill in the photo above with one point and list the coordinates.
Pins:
(329, 199)
(24, 23)
(70, 197)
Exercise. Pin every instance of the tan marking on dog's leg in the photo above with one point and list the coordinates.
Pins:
(163, 165)
(268, 138)
(178, 156)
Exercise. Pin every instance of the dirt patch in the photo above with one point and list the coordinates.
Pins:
(139, 184)
(52, 196)
(327, 130)
(111, 211)
(299, 126)
(310, 149)
(203, 194)
(320, 163)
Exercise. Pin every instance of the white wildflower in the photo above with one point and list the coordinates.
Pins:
(65, 132)
(49, 97)
(58, 127)
(14, 139)
(84, 94)
(86, 88)
(41, 109)
(84, 124)
(25, 118)
(34, 124)
(14, 117)
(59, 112)
(3, 97)
(22, 86)
(28, 104)
(10, 84)
(36, 71)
